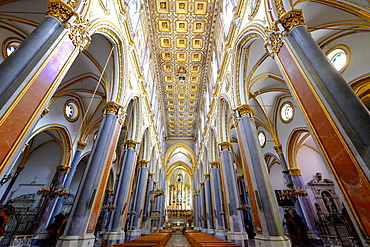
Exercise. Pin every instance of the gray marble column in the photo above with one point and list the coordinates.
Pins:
(209, 205)
(272, 225)
(13, 66)
(196, 208)
(147, 196)
(248, 220)
(67, 182)
(101, 157)
(116, 232)
(139, 199)
(203, 208)
(340, 97)
(161, 207)
(237, 233)
(217, 201)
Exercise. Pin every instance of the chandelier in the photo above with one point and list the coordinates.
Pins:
(291, 192)
(53, 191)
(109, 207)
(243, 207)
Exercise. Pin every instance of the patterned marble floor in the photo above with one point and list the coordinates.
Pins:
(177, 239)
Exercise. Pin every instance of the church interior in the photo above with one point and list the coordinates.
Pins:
(245, 120)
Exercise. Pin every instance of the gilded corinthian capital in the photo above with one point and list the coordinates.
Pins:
(59, 10)
(291, 19)
(113, 107)
(245, 110)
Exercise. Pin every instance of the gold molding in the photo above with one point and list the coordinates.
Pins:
(144, 163)
(245, 110)
(225, 146)
(73, 3)
(150, 175)
(291, 19)
(294, 171)
(60, 10)
(81, 145)
(131, 144)
(79, 33)
(207, 176)
(214, 164)
(278, 148)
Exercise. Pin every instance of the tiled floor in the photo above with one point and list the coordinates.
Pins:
(177, 239)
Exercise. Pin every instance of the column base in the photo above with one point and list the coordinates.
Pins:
(240, 238)
(40, 239)
(86, 240)
(271, 241)
(210, 232)
(221, 234)
(112, 238)
(132, 234)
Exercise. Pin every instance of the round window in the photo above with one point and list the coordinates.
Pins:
(261, 138)
(338, 58)
(10, 45)
(71, 110)
(286, 112)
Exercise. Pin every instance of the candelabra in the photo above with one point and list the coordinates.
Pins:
(109, 207)
(53, 191)
(243, 207)
(292, 193)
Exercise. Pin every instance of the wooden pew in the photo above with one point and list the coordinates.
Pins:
(198, 239)
(158, 239)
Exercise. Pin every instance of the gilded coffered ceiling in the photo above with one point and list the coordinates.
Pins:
(180, 32)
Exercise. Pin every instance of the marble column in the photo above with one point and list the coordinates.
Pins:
(12, 67)
(209, 205)
(147, 196)
(272, 228)
(23, 94)
(248, 220)
(293, 176)
(116, 233)
(237, 233)
(217, 201)
(67, 182)
(79, 230)
(203, 209)
(196, 208)
(161, 205)
(332, 110)
(139, 199)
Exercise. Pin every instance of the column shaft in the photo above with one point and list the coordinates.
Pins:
(217, 199)
(208, 200)
(264, 194)
(96, 174)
